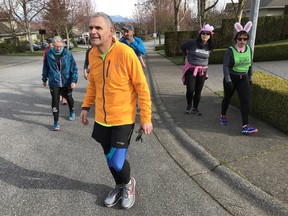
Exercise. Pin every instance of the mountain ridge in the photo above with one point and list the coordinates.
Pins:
(118, 18)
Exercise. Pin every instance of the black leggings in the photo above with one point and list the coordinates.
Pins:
(194, 87)
(64, 92)
(242, 85)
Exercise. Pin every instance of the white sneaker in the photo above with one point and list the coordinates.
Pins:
(128, 197)
(114, 196)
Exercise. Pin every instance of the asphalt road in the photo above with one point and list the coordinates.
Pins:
(64, 173)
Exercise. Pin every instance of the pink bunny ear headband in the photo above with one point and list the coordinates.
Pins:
(246, 28)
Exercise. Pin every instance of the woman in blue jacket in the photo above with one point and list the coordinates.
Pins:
(61, 71)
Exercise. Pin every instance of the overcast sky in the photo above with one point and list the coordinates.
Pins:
(125, 8)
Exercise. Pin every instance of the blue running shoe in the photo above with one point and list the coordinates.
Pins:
(223, 120)
(56, 126)
(72, 116)
(247, 129)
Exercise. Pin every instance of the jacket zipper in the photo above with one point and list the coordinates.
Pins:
(60, 71)
(105, 75)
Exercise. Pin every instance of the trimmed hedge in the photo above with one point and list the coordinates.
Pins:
(268, 100)
(159, 47)
(271, 52)
(266, 32)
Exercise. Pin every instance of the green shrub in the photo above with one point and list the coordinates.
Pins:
(216, 56)
(266, 32)
(159, 47)
(268, 100)
(269, 52)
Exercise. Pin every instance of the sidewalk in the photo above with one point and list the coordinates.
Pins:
(257, 161)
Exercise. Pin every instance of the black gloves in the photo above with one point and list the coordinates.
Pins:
(228, 85)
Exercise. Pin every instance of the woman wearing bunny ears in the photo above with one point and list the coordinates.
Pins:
(197, 52)
(237, 68)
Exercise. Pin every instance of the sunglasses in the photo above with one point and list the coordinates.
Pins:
(205, 33)
(240, 39)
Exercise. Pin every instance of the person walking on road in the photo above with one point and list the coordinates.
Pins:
(134, 42)
(237, 69)
(86, 68)
(197, 52)
(116, 79)
(50, 45)
(60, 69)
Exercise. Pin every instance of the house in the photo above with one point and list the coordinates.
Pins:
(9, 29)
(266, 8)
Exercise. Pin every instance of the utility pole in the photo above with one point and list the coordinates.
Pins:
(155, 32)
(254, 13)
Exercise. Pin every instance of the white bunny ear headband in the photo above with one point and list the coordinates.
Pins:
(246, 28)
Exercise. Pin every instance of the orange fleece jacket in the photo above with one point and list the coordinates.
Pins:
(114, 85)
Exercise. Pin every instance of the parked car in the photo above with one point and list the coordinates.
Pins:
(43, 45)
(71, 45)
(36, 47)
(80, 40)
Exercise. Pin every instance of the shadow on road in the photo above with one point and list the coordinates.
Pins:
(30, 179)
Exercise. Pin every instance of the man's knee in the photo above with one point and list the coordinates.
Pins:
(116, 158)
(116, 165)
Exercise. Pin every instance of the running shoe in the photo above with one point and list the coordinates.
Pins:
(114, 196)
(72, 116)
(128, 197)
(56, 126)
(188, 109)
(196, 112)
(223, 120)
(247, 129)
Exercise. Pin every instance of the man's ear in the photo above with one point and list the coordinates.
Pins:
(112, 31)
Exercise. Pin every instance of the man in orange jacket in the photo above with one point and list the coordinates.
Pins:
(115, 81)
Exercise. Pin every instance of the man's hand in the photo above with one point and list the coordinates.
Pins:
(147, 128)
(83, 117)
(131, 39)
(73, 85)
(44, 84)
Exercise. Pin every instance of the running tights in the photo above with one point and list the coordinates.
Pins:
(194, 87)
(241, 84)
(64, 92)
